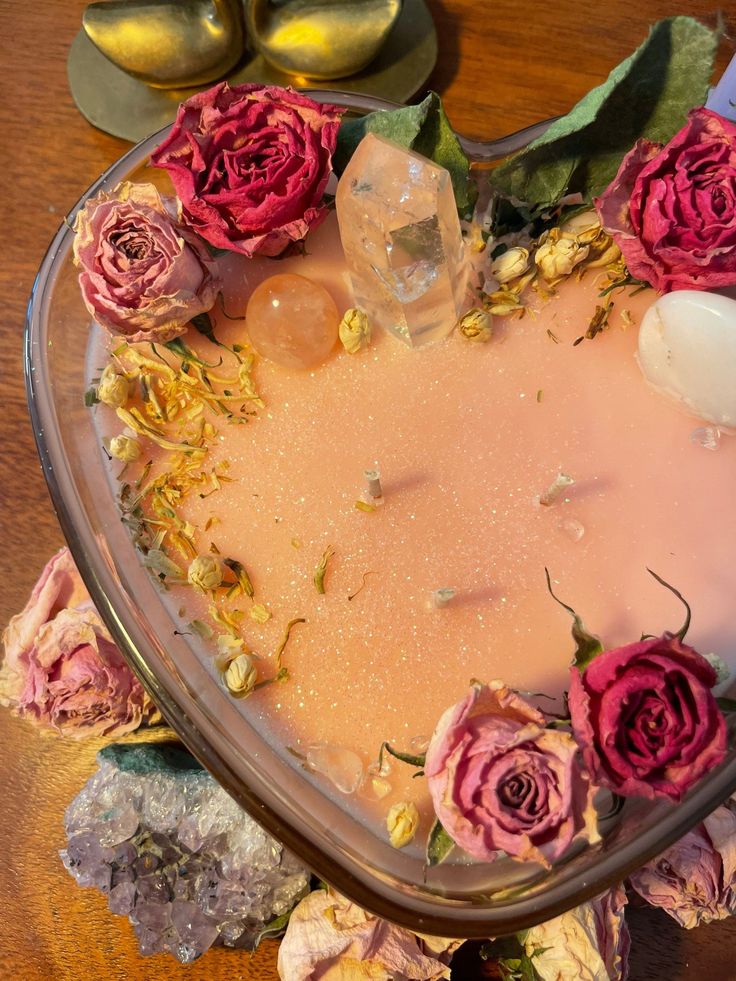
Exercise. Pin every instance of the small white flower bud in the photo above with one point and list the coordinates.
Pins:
(354, 330)
(476, 325)
(556, 259)
(401, 822)
(205, 572)
(241, 676)
(511, 264)
(125, 448)
(113, 388)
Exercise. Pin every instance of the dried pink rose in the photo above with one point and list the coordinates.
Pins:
(250, 165)
(695, 880)
(672, 210)
(589, 943)
(500, 781)
(331, 939)
(61, 668)
(141, 274)
(646, 719)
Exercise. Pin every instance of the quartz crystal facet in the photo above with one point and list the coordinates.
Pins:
(402, 241)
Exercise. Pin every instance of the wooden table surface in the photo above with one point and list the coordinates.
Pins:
(501, 66)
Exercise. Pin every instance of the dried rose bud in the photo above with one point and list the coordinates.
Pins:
(401, 822)
(125, 448)
(513, 263)
(476, 325)
(205, 572)
(558, 258)
(354, 330)
(113, 388)
(241, 676)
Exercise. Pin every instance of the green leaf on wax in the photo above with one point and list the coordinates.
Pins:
(423, 128)
(647, 95)
(587, 645)
(726, 704)
(439, 844)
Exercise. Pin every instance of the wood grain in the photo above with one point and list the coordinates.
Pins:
(502, 66)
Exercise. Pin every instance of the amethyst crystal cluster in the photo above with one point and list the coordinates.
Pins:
(174, 852)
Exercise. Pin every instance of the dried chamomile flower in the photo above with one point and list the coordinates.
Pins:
(558, 256)
(241, 675)
(354, 330)
(113, 388)
(205, 572)
(476, 325)
(511, 264)
(125, 448)
(402, 821)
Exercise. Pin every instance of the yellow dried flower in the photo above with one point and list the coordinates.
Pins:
(401, 822)
(259, 613)
(557, 257)
(476, 325)
(125, 448)
(241, 676)
(113, 388)
(205, 572)
(513, 263)
(354, 330)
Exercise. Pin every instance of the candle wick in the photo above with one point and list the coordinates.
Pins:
(442, 597)
(373, 480)
(558, 485)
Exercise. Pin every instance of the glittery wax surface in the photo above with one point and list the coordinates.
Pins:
(467, 437)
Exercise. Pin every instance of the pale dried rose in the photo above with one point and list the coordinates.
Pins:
(331, 939)
(695, 879)
(501, 781)
(589, 943)
(142, 275)
(62, 669)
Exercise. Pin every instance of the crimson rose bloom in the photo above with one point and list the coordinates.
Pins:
(646, 719)
(500, 781)
(141, 274)
(250, 165)
(672, 210)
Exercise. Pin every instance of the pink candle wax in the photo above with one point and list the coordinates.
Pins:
(467, 437)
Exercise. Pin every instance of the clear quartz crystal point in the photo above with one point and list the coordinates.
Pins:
(402, 241)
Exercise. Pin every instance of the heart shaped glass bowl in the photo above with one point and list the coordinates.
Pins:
(458, 898)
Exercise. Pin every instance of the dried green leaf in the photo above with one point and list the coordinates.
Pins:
(439, 844)
(587, 646)
(647, 95)
(423, 128)
(321, 570)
